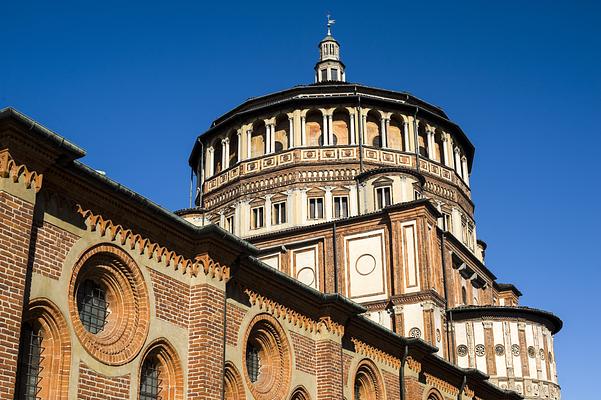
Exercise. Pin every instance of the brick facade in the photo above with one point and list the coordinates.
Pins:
(304, 352)
(52, 246)
(95, 386)
(172, 298)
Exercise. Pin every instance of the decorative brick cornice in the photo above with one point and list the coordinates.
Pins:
(376, 354)
(468, 392)
(414, 365)
(285, 314)
(10, 169)
(441, 385)
(115, 232)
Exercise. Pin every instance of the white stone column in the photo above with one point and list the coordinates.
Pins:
(466, 173)
(324, 132)
(289, 206)
(406, 146)
(404, 195)
(431, 152)
(303, 132)
(249, 143)
(268, 135)
(267, 211)
(363, 131)
(328, 202)
(290, 131)
(239, 149)
(211, 164)
(383, 132)
(237, 227)
(272, 143)
(330, 130)
(222, 219)
(457, 162)
(225, 155)
(352, 128)
(303, 206)
(445, 148)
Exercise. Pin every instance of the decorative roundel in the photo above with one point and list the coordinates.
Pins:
(499, 349)
(438, 336)
(480, 350)
(531, 352)
(515, 350)
(542, 354)
(108, 304)
(365, 265)
(306, 275)
(415, 333)
(462, 350)
(267, 353)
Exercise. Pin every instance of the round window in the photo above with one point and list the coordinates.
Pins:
(267, 358)
(108, 304)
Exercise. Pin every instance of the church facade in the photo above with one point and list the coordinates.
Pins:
(331, 254)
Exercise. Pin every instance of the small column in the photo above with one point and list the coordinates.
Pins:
(222, 219)
(328, 203)
(237, 223)
(239, 149)
(225, 154)
(363, 129)
(353, 206)
(330, 130)
(383, 132)
(386, 126)
(290, 131)
(431, 145)
(352, 128)
(249, 133)
(445, 149)
(466, 173)
(267, 211)
(268, 134)
(289, 206)
(458, 162)
(272, 143)
(303, 206)
(211, 155)
(324, 134)
(303, 132)
(406, 146)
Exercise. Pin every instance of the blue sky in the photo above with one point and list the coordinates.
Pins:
(134, 84)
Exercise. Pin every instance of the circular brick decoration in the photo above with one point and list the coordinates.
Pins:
(499, 349)
(480, 350)
(531, 352)
(365, 265)
(267, 336)
(462, 350)
(542, 354)
(515, 350)
(128, 319)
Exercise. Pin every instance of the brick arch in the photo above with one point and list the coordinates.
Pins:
(233, 389)
(56, 342)
(367, 382)
(300, 393)
(433, 394)
(171, 376)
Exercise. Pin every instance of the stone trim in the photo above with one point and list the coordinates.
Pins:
(441, 385)
(10, 169)
(376, 354)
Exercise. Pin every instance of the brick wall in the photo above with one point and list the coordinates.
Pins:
(235, 315)
(16, 218)
(304, 352)
(391, 383)
(329, 370)
(95, 386)
(172, 298)
(205, 355)
(52, 246)
(413, 389)
(346, 366)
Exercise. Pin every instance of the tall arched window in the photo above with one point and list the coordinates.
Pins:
(314, 128)
(434, 395)
(258, 139)
(395, 134)
(44, 353)
(341, 127)
(464, 295)
(161, 373)
(374, 136)
(233, 150)
(438, 147)
(233, 388)
(367, 384)
(300, 393)
(282, 136)
(422, 139)
(217, 156)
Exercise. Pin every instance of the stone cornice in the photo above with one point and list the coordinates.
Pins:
(10, 169)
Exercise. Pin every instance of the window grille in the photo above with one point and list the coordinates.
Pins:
(340, 207)
(30, 362)
(150, 381)
(92, 306)
(253, 362)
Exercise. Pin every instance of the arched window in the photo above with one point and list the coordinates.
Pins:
(395, 134)
(233, 388)
(464, 295)
(422, 139)
(257, 140)
(233, 153)
(282, 136)
(314, 128)
(161, 373)
(367, 384)
(44, 353)
(372, 128)
(300, 393)
(438, 147)
(217, 156)
(341, 127)
(434, 395)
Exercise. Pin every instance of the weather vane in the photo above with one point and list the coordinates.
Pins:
(330, 23)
